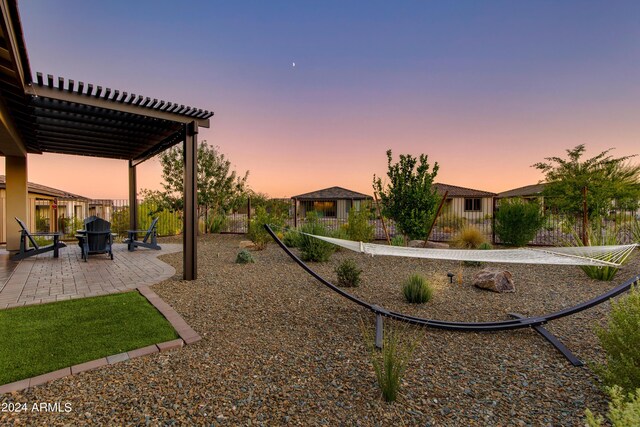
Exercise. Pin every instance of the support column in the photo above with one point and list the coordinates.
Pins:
(133, 202)
(16, 171)
(189, 242)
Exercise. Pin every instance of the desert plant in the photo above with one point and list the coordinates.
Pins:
(391, 363)
(599, 236)
(244, 257)
(257, 232)
(348, 273)
(291, 238)
(620, 342)
(398, 240)
(635, 230)
(312, 249)
(468, 238)
(339, 233)
(622, 412)
(358, 226)
(417, 290)
(215, 223)
(517, 221)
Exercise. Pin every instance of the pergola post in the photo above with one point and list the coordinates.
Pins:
(133, 203)
(16, 198)
(189, 242)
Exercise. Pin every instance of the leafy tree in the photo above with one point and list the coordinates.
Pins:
(409, 198)
(606, 178)
(219, 188)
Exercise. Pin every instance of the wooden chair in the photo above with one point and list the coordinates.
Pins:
(26, 251)
(96, 238)
(150, 238)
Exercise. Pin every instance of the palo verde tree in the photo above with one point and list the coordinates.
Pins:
(609, 182)
(409, 197)
(219, 187)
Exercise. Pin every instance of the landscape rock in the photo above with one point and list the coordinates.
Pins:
(246, 244)
(494, 280)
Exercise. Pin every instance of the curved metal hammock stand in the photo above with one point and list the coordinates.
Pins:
(518, 321)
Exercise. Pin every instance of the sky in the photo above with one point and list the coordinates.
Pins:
(486, 89)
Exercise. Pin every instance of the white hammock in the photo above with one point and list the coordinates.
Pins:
(581, 255)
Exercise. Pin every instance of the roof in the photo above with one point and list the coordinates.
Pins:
(332, 193)
(455, 191)
(526, 191)
(32, 187)
(70, 117)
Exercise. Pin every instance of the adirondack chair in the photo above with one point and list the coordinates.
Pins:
(26, 251)
(150, 238)
(96, 238)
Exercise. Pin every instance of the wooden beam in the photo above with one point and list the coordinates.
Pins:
(133, 205)
(189, 242)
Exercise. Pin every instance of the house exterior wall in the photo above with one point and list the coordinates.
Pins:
(456, 205)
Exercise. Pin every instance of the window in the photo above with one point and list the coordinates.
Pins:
(472, 205)
(325, 208)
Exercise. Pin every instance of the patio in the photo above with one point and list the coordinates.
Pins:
(42, 278)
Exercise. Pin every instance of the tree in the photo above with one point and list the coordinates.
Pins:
(409, 198)
(219, 188)
(606, 179)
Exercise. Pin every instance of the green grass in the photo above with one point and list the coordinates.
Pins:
(42, 338)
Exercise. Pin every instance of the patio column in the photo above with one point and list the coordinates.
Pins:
(16, 171)
(189, 242)
(133, 205)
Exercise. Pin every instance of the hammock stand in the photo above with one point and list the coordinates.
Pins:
(518, 321)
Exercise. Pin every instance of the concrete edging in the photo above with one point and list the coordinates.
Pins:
(186, 333)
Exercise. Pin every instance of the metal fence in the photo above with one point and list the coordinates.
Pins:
(558, 229)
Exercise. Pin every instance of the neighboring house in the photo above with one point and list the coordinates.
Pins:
(466, 202)
(47, 206)
(334, 202)
(528, 192)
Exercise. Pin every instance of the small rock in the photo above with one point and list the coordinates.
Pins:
(246, 244)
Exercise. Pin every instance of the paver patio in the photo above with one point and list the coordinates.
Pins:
(42, 278)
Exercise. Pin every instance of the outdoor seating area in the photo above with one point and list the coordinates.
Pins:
(95, 238)
(27, 238)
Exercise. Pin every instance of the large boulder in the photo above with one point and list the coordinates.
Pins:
(494, 280)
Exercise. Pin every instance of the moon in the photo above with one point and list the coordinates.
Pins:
(293, 64)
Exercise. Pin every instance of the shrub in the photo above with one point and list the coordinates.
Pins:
(390, 364)
(599, 238)
(469, 238)
(291, 238)
(358, 226)
(338, 233)
(348, 273)
(244, 257)
(397, 240)
(417, 290)
(257, 232)
(622, 412)
(485, 246)
(312, 249)
(517, 221)
(620, 342)
(215, 223)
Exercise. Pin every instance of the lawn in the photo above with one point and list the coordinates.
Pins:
(43, 338)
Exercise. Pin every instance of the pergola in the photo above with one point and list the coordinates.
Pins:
(68, 117)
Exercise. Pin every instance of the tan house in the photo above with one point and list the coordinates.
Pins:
(466, 202)
(333, 202)
(528, 192)
(47, 208)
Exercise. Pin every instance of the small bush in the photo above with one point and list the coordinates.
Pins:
(417, 290)
(599, 238)
(469, 238)
(312, 249)
(244, 257)
(257, 233)
(622, 412)
(348, 274)
(391, 363)
(338, 233)
(358, 226)
(215, 223)
(291, 238)
(620, 342)
(397, 240)
(517, 221)
(485, 246)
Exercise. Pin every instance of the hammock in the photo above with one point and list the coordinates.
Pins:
(600, 256)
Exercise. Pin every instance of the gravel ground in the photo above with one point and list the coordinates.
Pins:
(279, 348)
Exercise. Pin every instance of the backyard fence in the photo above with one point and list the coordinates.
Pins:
(557, 230)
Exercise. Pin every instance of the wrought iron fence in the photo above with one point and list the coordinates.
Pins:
(558, 230)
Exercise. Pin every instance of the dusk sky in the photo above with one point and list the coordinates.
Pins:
(485, 88)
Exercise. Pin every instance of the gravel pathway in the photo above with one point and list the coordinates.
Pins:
(279, 348)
